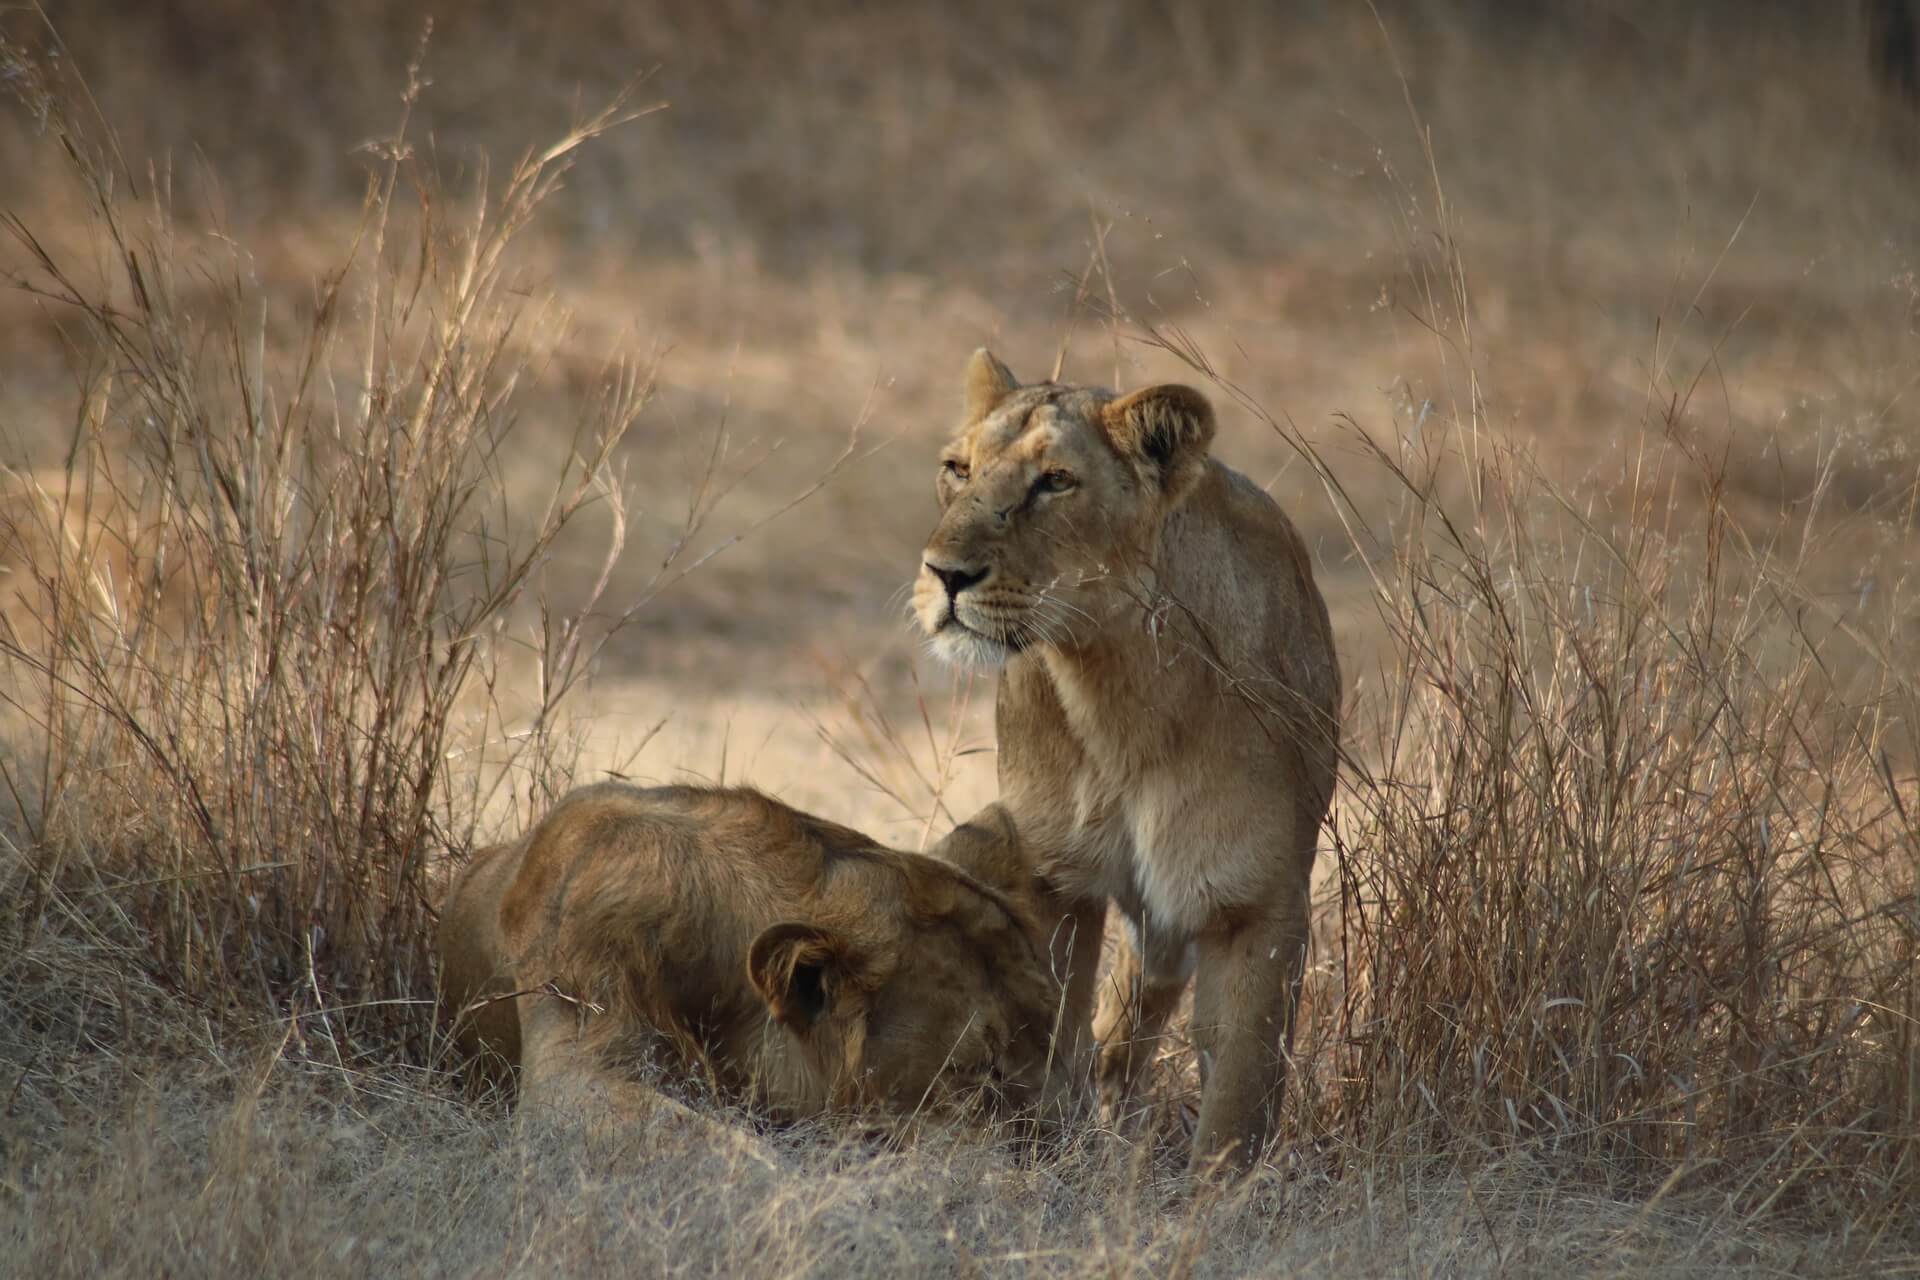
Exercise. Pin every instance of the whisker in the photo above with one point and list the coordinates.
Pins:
(1062, 614)
(1045, 628)
(1071, 608)
(1042, 626)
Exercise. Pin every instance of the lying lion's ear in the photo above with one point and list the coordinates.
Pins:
(798, 969)
(1168, 428)
(988, 383)
(987, 847)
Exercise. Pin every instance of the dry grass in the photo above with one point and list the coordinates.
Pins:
(253, 734)
(1626, 869)
(1583, 350)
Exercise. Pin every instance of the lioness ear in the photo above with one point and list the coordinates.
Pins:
(988, 383)
(1169, 428)
(987, 847)
(799, 970)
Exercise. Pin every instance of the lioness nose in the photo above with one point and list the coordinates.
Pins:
(955, 580)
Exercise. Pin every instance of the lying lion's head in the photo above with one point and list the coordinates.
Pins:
(768, 950)
(938, 993)
(1050, 497)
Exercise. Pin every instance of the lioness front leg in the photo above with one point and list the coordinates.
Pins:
(1150, 971)
(561, 1070)
(1243, 1006)
(563, 1076)
(1078, 932)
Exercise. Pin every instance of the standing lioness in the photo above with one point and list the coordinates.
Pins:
(1168, 712)
(724, 936)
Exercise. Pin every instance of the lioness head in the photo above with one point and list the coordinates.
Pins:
(1050, 496)
(948, 999)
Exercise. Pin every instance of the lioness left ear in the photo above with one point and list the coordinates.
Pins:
(1169, 429)
(800, 970)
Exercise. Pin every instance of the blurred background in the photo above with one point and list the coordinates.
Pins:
(1583, 226)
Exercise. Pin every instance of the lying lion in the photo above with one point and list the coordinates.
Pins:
(728, 938)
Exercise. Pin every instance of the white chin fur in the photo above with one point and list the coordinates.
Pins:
(964, 648)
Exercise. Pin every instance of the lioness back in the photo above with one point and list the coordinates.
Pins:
(1246, 589)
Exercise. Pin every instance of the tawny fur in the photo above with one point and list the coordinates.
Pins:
(1167, 715)
(727, 937)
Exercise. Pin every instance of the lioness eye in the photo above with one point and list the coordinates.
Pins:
(1056, 481)
(956, 468)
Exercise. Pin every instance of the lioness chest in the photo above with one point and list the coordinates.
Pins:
(1133, 793)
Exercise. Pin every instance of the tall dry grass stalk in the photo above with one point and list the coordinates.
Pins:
(264, 622)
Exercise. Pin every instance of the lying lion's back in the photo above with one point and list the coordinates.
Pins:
(672, 878)
(649, 859)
